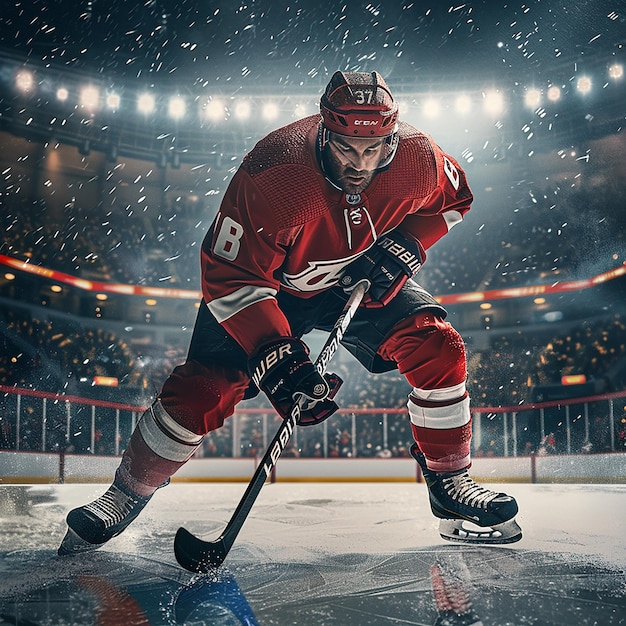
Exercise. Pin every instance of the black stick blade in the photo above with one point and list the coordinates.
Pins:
(196, 555)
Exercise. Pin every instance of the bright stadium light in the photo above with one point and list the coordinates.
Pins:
(463, 104)
(214, 110)
(269, 111)
(494, 102)
(554, 93)
(113, 101)
(583, 84)
(89, 97)
(177, 107)
(430, 108)
(532, 98)
(616, 71)
(145, 103)
(25, 81)
(242, 110)
(62, 94)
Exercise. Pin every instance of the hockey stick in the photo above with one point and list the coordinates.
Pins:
(197, 555)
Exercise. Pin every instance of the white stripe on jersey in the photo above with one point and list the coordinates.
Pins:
(232, 303)
(452, 218)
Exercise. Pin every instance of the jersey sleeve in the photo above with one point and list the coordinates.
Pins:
(241, 254)
(444, 207)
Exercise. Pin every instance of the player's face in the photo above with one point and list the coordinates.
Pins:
(353, 161)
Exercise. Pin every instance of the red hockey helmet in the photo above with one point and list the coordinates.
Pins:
(359, 104)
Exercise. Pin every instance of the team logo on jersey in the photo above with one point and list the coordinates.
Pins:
(353, 198)
(318, 275)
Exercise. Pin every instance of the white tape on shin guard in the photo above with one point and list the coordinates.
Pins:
(166, 437)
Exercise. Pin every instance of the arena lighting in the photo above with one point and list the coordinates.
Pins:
(554, 93)
(89, 97)
(573, 379)
(583, 84)
(25, 81)
(56, 288)
(214, 110)
(177, 107)
(485, 306)
(494, 102)
(113, 101)
(430, 108)
(106, 381)
(62, 94)
(463, 104)
(145, 103)
(616, 71)
(270, 111)
(242, 110)
(532, 98)
(102, 297)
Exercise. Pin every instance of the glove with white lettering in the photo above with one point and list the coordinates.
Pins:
(283, 370)
(387, 265)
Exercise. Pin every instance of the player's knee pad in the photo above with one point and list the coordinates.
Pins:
(199, 397)
(429, 352)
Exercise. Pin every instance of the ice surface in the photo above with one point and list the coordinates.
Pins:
(365, 553)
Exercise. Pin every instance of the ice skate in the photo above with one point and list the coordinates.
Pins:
(468, 512)
(92, 525)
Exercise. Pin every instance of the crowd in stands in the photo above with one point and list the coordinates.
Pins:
(58, 356)
(124, 246)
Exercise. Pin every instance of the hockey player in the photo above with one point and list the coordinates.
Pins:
(316, 206)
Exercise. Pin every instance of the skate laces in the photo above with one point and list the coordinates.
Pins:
(112, 507)
(463, 489)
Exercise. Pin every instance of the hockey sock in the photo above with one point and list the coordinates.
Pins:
(431, 355)
(158, 447)
(442, 430)
(195, 399)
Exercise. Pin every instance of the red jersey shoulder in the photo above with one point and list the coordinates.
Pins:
(413, 171)
(283, 167)
(285, 146)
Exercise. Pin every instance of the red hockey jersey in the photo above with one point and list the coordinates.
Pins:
(283, 225)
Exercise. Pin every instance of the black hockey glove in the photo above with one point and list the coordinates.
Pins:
(283, 370)
(387, 265)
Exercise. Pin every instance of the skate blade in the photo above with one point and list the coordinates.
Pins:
(466, 532)
(74, 544)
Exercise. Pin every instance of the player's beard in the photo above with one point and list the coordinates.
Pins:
(346, 177)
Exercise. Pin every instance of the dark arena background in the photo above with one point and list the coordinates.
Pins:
(121, 124)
